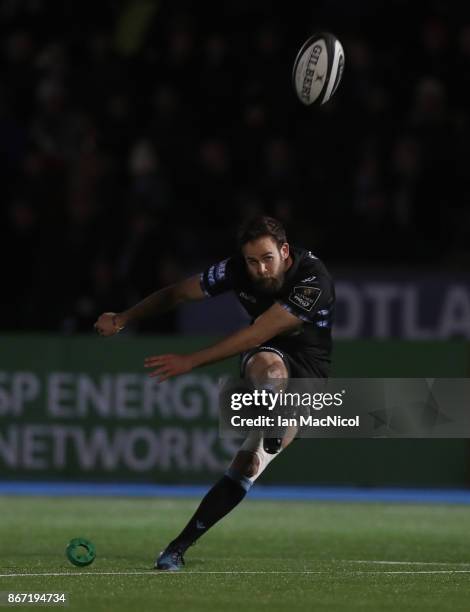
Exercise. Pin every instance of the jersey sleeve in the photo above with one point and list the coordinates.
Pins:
(310, 299)
(218, 278)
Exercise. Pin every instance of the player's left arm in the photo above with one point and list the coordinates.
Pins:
(272, 322)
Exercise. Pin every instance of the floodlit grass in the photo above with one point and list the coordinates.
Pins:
(274, 556)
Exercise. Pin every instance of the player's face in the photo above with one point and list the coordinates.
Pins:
(266, 263)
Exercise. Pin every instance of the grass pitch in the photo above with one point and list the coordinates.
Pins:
(274, 556)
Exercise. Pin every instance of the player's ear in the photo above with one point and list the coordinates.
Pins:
(285, 251)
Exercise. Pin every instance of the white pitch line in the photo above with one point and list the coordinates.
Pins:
(76, 574)
(159, 573)
(420, 572)
(457, 563)
(186, 573)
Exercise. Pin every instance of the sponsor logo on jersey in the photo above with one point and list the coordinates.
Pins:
(305, 297)
(309, 279)
(248, 298)
(311, 255)
(210, 276)
(220, 270)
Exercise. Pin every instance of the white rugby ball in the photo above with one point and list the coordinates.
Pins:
(318, 68)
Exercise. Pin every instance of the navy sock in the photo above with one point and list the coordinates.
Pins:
(219, 501)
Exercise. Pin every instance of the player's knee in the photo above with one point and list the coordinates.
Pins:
(276, 370)
(246, 463)
(266, 366)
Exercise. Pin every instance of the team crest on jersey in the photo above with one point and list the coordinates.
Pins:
(305, 297)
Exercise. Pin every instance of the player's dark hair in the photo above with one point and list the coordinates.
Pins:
(259, 227)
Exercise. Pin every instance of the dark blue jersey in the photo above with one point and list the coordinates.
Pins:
(307, 292)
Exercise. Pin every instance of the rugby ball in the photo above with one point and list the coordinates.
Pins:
(318, 69)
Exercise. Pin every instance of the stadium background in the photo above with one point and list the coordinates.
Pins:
(136, 136)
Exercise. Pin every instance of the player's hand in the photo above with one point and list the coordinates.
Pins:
(107, 324)
(168, 365)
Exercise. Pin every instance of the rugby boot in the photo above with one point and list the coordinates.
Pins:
(170, 559)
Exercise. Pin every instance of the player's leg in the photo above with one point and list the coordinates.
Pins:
(267, 369)
(247, 465)
(252, 459)
(264, 370)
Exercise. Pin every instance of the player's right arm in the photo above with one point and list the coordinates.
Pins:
(163, 300)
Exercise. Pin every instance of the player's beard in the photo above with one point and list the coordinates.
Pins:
(270, 285)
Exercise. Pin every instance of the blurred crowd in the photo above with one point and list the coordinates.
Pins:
(135, 136)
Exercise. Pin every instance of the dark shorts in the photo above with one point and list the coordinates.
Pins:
(298, 364)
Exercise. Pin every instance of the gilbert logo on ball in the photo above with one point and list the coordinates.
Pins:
(80, 552)
(318, 68)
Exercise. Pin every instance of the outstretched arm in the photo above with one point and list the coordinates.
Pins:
(110, 323)
(274, 321)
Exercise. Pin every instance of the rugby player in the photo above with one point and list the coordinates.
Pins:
(290, 296)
